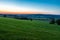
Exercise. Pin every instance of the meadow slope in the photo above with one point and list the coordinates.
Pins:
(14, 29)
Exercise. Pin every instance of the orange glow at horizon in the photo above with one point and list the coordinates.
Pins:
(7, 12)
(24, 12)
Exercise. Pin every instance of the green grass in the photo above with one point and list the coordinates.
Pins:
(13, 29)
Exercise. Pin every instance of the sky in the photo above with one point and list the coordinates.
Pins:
(30, 6)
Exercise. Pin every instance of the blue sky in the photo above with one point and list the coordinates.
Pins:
(32, 5)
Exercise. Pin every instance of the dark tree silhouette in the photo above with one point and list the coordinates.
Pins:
(31, 19)
(52, 21)
(5, 15)
(58, 22)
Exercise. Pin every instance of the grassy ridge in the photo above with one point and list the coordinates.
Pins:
(13, 29)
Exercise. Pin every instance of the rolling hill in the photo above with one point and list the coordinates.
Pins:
(31, 15)
(14, 29)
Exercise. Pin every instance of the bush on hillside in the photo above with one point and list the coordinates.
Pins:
(52, 21)
(58, 21)
(5, 15)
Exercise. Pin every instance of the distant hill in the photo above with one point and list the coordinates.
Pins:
(32, 15)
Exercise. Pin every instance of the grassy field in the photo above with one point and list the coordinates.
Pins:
(14, 29)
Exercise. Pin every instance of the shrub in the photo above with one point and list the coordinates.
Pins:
(5, 15)
(58, 21)
(52, 21)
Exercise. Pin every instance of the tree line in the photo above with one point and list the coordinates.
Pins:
(52, 20)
